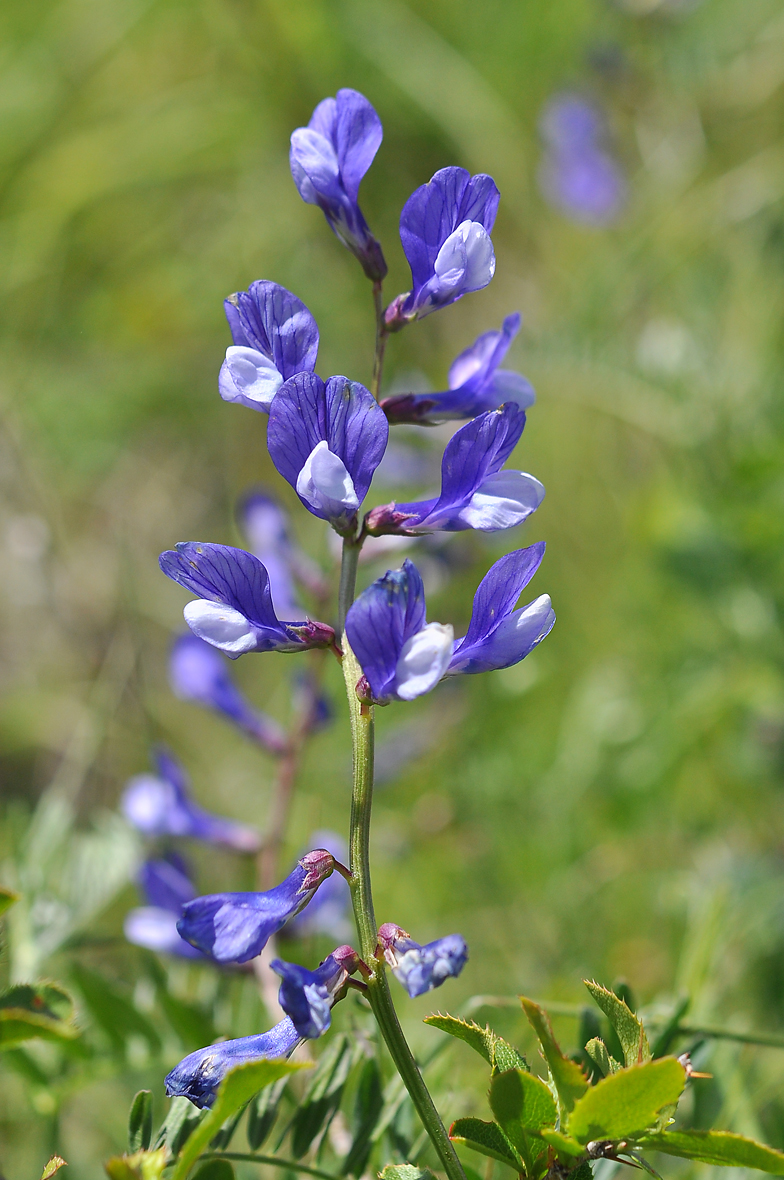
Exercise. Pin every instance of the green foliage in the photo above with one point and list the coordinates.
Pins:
(7, 899)
(112, 1010)
(322, 1097)
(53, 1166)
(43, 1010)
(140, 1121)
(718, 1147)
(597, 1051)
(368, 1106)
(405, 1172)
(496, 1051)
(523, 1105)
(214, 1170)
(486, 1138)
(568, 1078)
(181, 1119)
(141, 1165)
(629, 1028)
(262, 1113)
(628, 1102)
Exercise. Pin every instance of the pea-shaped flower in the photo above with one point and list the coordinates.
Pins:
(327, 440)
(328, 160)
(421, 968)
(307, 996)
(476, 384)
(475, 492)
(166, 887)
(274, 335)
(198, 1076)
(445, 230)
(234, 610)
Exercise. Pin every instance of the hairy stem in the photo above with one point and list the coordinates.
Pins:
(362, 733)
(381, 341)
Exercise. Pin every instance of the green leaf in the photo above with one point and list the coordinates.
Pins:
(54, 1165)
(486, 1138)
(180, 1121)
(113, 1011)
(563, 1144)
(627, 1103)
(597, 1051)
(523, 1104)
(7, 899)
(368, 1105)
(36, 1010)
(142, 1165)
(718, 1147)
(215, 1170)
(262, 1114)
(495, 1050)
(405, 1172)
(237, 1088)
(191, 1022)
(569, 1079)
(629, 1028)
(322, 1098)
(140, 1121)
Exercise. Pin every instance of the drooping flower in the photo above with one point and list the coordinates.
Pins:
(327, 441)
(578, 175)
(476, 384)
(234, 610)
(235, 927)
(403, 657)
(307, 996)
(198, 1076)
(197, 673)
(328, 911)
(328, 160)
(421, 968)
(445, 230)
(274, 335)
(166, 887)
(160, 805)
(475, 492)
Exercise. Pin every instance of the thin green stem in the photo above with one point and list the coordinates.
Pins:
(348, 579)
(771, 1040)
(293, 1165)
(378, 994)
(381, 341)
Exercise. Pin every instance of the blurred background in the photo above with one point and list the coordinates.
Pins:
(613, 806)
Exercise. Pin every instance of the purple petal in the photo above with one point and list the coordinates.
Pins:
(156, 929)
(166, 884)
(223, 574)
(307, 996)
(357, 137)
(270, 319)
(324, 118)
(473, 369)
(198, 1076)
(499, 590)
(381, 620)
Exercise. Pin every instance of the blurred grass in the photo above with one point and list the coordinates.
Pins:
(614, 806)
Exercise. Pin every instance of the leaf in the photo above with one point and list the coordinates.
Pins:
(192, 1023)
(142, 1165)
(405, 1172)
(597, 1051)
(262, 1114)
(563, 1144)
(322, 1097)
(215, 1170)
(7, 899)
(523, 1104)
(140, 1121)
(54, 1165)
(718, 1147)
(569, 1079)
(495, 1050)
(486, 1138)
(237, 1088)
(180, 1121)
(112, 1011)
(627, 1103)
(36, 1010)
(629, 1028)
(368, 1105)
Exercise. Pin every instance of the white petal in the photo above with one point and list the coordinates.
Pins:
(466, 260)
(326, 484)
(249, 376)
(513, 387)
(513, 638)
(147, 802)
(220, 625)
(423, 661)
(314, 156)
(152, 927)
(504, 500)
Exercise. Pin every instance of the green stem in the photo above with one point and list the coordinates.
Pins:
(771, 1040)
(293, 1165)
(348, 580)
(378, 994)
(381, 341)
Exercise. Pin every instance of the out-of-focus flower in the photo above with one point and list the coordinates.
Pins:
(475, 492)
(445, 230)
(166, 887)
(197, 673)
(307, 996)
(198, 1075)
(235, 927)
(328, 159)
(327, 441)
(160, 805)
(265, 523)
(274, 335)
(476, 384)
(578, 175)
(421, 968)
(328, 911)
(234, 611)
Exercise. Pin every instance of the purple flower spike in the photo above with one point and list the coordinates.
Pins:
(198, 1075)
(578, 176)
(275, 336)
(307, 996)
(328, 159)
(422, 968)
(197, 673)
(235, 927)
(234, 611)
(166, 888)
(328, 912)
(498, 635)
(445, 230)
(401, 655)
(476, 384)
(475, 492)
(327, 440)
(160, 805)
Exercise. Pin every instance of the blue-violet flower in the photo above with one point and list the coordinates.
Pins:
(198, 1076)
(265, 524)
(578, 175)
(166, 887)
(421, 968)
(307, 996)
(328, 911)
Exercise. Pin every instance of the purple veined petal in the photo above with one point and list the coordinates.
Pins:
(314, 166)
(324, 118)
(198, 1076)
(156, 929)
(307, 996)
(269, 319)
(515, 637)
(266, 526)
(476, 366)
(357, 137)
(382, 620)
(249, 378)
(500, 589)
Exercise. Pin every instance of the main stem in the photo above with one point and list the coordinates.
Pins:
(378, 994)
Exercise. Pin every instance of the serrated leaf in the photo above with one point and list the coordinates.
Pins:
(368, 1104)
(597, 1051)
(495, 1050)
(627, 1103)
(262, 1113)
(141, 1165)
(7, 899)
(113, 1011)
(140, 1121)
(629, 1028)
(569, 1079)
(486, 1138)
(36, 1010)
(322, 1097)
(237, 1088)
(523, 1104)
(54, 1165)
(718, 1147)
(563, 1144)
(405, 1172)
